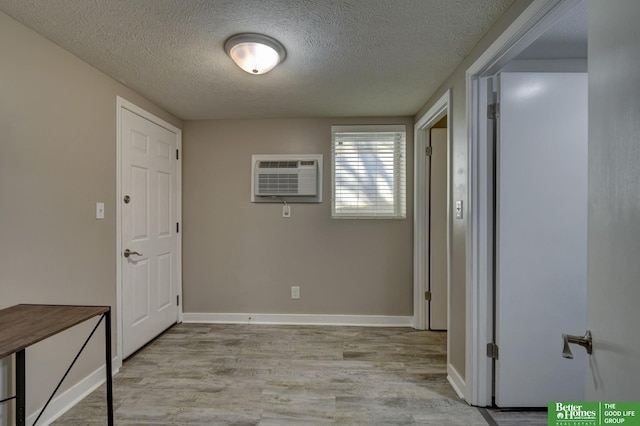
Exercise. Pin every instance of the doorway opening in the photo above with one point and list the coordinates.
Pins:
(438, 254)
(530, 47)
(432, 227)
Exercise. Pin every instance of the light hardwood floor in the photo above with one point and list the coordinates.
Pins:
(198, 374)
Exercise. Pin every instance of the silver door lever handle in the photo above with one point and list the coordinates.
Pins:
(128, 253)
(586, 342)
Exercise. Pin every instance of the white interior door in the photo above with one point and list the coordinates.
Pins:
(541, 237)
(614, 203)
(149, 230)
(438, 231)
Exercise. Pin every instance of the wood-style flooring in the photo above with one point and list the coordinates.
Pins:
(197, 374)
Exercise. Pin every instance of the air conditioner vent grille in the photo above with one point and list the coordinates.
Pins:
(282, 183)
(278, 164)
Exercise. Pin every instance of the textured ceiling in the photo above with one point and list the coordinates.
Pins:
(344, 57)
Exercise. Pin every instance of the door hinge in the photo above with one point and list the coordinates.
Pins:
(492, 350)
(429, 151)
(427, 295)
(177, 154)
(177, 227)
(493, 111)
(177, 300)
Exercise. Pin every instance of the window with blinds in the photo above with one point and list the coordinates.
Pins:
(368, 165)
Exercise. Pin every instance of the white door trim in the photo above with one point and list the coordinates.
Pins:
(121, 104)
(421, 186)
(526, 28)
(421, 218)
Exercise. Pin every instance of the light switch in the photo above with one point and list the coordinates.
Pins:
(458, 209)
(99, 210)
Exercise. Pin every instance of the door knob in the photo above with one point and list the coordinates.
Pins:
(128, 253)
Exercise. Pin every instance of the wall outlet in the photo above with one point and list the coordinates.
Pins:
(295, 292)
(286, 210)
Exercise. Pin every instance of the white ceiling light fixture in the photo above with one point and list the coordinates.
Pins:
(255, 53)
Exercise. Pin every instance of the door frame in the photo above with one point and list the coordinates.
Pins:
(421, 219)
(524, 30)
(422, 186)
(121, 104)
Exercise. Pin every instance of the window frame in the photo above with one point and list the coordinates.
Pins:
(399, 173)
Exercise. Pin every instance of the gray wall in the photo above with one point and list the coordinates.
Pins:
(457, 83)
(241, 257)
(57, 159)
(614, 201)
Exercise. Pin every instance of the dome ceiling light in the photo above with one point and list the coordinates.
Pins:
(255, 53)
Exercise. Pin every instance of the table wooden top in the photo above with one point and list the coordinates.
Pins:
(24, 325)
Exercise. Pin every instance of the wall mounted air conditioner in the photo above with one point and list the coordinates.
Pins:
(290, 178)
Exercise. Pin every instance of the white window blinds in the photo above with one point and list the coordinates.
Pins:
(368, 172)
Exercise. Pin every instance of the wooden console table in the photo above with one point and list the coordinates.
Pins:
(24, 325)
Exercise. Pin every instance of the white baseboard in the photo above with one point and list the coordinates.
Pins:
(67, 399)
(300, 319)
(456, 381)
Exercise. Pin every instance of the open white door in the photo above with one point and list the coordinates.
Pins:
(148, 230)
(438, 230)
(541, 237)
(614, 202)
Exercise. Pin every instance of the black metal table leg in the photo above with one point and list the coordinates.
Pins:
(20, 388)
(107, 353)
